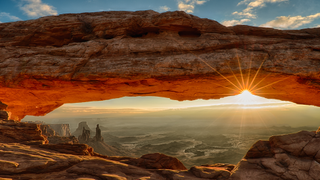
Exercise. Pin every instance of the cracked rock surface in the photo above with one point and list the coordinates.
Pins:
(72, 58)
(293, 156)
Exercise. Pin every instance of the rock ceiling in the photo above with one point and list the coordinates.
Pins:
(98, 56)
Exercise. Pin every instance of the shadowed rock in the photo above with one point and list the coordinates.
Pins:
(79, 130)
(292, 156)
(153, 161)
(61, 129)
(17, 132)
(98, 136)
(85, 136)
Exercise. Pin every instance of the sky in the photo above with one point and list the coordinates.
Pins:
(279, 14)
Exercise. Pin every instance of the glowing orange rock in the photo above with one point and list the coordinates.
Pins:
(98, 56)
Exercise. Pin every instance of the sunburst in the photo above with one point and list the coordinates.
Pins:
(245, 86)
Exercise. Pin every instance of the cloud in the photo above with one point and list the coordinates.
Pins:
(14, 18)
(189, 5)
(253, 4)
(36, 8)
(288, 22)
(235, 22)
(92, 110)
(164, 8)
(318, 26)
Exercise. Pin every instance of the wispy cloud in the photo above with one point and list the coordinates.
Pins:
(288, 22)
(7, 15)
(164, 8)
(252, 5)
(92, 110)
(189, 5)
(36, 8)
(235, 22)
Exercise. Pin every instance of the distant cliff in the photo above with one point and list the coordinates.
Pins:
(61, 129)
(79, 130)
(97, 142)
(56, 133)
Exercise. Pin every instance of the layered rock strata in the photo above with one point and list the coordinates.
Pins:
(71, 58)
(18, 132)
(61, 129)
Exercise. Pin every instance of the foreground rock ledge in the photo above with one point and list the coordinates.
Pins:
(97, 56)
(286, 157)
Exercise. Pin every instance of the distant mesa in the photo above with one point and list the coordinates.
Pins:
(79, 131)
(61, 129)
(97, 142)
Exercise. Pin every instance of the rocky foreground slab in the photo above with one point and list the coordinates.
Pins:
(29, 156)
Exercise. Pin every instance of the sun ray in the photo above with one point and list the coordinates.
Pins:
(271, 84)
(221, 94)
(225, 87)
(248, 78)
(270, 93)
(218, 72)
(264, 123)
(260, 81)
(241, 125)
(240, 69)
(257, 72)
(235, 76)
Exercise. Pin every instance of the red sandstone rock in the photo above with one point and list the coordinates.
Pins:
(75, 149)
(17, 132)
(210, 172)
(153, 161)
(63, 140)
(292, 156)
(98, 56)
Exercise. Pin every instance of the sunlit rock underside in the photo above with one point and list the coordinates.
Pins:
(98, 56)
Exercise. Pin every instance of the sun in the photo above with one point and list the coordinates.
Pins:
(246, 98)
(246, 94)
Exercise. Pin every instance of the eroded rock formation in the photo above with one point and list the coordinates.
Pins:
(79, 131)
(85, 136)
(292, 156)
(98, 136)
(97, 142)
(97, 56)
(18, 132)
(61, 129)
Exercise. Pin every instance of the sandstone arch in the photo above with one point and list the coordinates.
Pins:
(98, 56)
